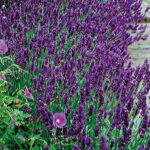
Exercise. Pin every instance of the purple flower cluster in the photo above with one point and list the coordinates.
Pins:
(79, 52)
(103, 144)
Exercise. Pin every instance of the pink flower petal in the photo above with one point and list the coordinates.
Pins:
(28, 94)
(3, 47)
(59, 120)
(2, 76)
(22, 138)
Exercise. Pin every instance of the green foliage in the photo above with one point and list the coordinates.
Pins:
(14, 122)
(3, 86)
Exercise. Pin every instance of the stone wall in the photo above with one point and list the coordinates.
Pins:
(141, 49)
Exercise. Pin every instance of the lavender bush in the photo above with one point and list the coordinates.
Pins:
(83, 91)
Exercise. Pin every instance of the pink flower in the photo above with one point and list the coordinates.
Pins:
(3, 47)
(59, 120)
(2, 76)
(22, 138)
(13, 118)
(12, 126)
(28, 94)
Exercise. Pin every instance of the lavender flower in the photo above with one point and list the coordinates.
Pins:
(141, 148)
(9, 86)
(76, 147)
(97, 128)
(112, 143)
(103, 144)
(46, 147)
(91, 109)
(88, 141)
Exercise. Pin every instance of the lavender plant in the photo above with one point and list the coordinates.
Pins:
(87, 94)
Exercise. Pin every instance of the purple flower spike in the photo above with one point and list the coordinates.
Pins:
(3, 47)
(59, 120)
(46, 147)
(76, 147)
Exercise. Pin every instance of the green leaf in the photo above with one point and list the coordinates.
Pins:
(35, 148)
(7, 72)
(53, 148)
(21, 115)
(9, 99)
(20, 93)
(81, 83)
(3, 86)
